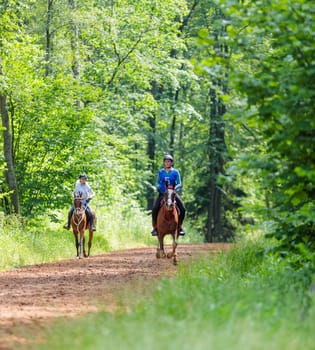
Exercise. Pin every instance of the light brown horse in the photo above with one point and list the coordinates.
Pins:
(167, 223)
(79, 224)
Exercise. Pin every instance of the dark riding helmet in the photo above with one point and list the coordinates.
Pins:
(83, 176)
(168, 157)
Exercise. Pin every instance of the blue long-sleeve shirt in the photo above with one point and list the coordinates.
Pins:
(172, 176)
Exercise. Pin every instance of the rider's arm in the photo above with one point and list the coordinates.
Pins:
(91, 194)
(160, 182)
(178, 181)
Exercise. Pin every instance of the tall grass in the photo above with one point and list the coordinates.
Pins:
(235, 300)
(43, 239)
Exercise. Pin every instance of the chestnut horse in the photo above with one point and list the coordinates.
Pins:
(79, 224)
(167, 223)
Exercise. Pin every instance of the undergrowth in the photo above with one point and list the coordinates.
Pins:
(43, 239)
(242, 299)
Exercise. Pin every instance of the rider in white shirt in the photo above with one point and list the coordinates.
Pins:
(87, 194)
(84, 188)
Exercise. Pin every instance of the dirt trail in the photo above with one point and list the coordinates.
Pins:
(34, 295)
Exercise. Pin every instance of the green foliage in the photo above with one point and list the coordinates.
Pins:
(244, 299)
(98, 121)
(39, 240)
(63, 126)
(24, 243)
(142, 61)
(42, 239)
(273, 72)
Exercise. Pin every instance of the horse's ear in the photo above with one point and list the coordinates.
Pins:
(166, 183)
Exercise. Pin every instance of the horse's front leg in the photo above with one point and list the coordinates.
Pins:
(81, 244)
(173, 253)
(90, 241)
(160, 253)
(76, 241)
(84, 252)
(174, 247)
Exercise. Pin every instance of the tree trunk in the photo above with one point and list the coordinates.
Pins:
(180, 153)
(151, 155)
(76, 67)
(75, 43)
(216, 167)
(8, 157)
(156, 92)
(48, 36)
(173, 127)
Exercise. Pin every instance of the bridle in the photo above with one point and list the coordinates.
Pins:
(79, 211)
(169, 198)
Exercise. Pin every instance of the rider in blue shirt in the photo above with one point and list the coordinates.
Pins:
(172, 175)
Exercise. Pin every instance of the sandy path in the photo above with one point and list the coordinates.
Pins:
(34, 295)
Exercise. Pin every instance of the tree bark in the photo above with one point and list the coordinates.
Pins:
(173, 127)
(75, 43)
(8, 157)
(76, 67)
(156, 92)
(48, 36)
(216, 167)
(151, 153)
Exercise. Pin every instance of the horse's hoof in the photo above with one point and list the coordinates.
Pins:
(160, 254)
(169, 255)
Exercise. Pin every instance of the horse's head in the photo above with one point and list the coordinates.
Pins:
(169, 197)
(77, 200)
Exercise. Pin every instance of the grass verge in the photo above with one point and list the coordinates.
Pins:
(240, 299)
(43, 239)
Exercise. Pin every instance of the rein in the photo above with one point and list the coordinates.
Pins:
(79, 214)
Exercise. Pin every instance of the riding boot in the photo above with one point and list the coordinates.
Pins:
(181, 232)
(91, 218)
(154, 231)
(92, 223)
(155, 211)
(70, 213)
(181, 214)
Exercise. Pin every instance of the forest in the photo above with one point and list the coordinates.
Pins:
(107, 87)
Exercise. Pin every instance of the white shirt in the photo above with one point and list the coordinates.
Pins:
(86, 190)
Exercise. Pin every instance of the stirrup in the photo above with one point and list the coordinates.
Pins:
(154, 232)
(67, 227)
(181, 232)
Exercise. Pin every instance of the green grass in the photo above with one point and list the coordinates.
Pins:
(40, 240)
(235, 300)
